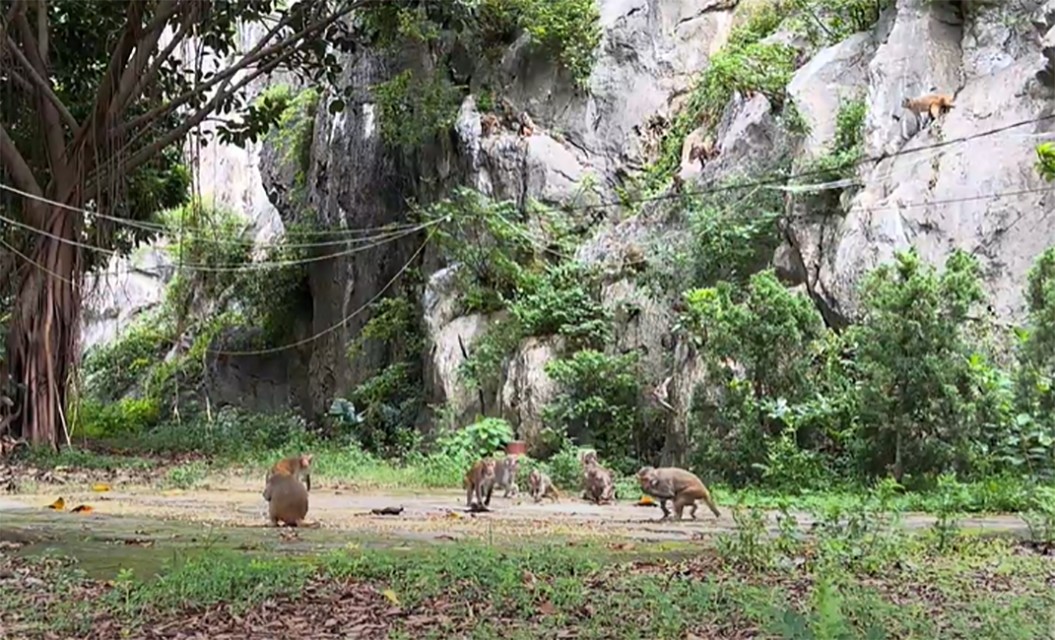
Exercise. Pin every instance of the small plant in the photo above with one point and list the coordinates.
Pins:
(950, 498)
(1046, 160)
(748, 547)
(187, 475)
(1040, 518)
(480, 439)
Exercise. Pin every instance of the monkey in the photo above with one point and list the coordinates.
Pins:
(287, 501)
(506, 476)
(634, 258)
(703, 151)
(598, 484)
(527, 126)
(682, 486)
(600, 489)
(933, 104)
(480, 480)
(489, 124)
(295, 466)
(540, 486)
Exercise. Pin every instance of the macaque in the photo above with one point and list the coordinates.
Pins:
(506, 476)
(600, 488)
(489, 124)
(598, 484)
(287, 501)
(703, 151)
(527, 125)
(480, 480)
(682, 486)
(540, 486)
(933, 104)
(294, 466)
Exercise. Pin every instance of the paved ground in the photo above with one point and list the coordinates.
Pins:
(437, 514)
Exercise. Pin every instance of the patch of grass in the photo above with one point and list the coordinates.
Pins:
(977, 589)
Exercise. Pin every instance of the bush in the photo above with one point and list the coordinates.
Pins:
(127, 417)
(480, 439)
(598, 404)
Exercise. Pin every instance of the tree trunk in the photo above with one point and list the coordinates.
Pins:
(42, 342)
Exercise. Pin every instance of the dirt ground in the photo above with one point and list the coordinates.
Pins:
(438, 514)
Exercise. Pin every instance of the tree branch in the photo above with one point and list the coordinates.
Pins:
(254, 55)
(144, 48)
(47, 99)
(146, 153)
(16, 165)
(41, 83)
(151, 73)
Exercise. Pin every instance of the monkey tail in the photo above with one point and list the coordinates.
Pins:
(710, 504)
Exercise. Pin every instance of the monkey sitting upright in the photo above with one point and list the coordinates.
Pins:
(296, 466)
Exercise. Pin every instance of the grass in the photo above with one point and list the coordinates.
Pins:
(975, 588)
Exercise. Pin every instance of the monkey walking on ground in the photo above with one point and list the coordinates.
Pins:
(506, 476)
(480, 480)
(296, 466)
(682, 486)
(933, 104)
(540, 486)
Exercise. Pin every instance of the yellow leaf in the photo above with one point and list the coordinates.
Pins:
(101, 487)
(84, 508)
(58, 505)
(391, 596)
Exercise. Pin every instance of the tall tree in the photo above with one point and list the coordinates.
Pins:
(96, 99)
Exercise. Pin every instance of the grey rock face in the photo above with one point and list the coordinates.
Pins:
(966, 182)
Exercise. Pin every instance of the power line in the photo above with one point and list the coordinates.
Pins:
(665, 196)
(772, 183)
(332, 328)
(162, 228)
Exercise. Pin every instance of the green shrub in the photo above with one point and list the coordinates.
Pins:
(480, 439)
(412, 109)
(126, 417)
(598, 404)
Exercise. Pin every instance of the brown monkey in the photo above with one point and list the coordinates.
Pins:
(703, 151)
(934, 104)
(287, 501)
(506, 476)
(540, 486)
(680, 485)
(480, 480)
(598, 485)
(489, 124)
(295, 466)
(527, 125)
(600, 488)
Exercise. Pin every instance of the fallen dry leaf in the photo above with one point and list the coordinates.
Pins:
(547, 608)
(84, 508)
(100, 487)
(58, 505)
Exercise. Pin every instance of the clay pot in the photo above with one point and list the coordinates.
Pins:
(516, 448)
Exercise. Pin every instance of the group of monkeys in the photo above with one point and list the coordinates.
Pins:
(664, 483)
(287, 495)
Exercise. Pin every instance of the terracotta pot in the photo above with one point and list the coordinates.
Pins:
(516, 448)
